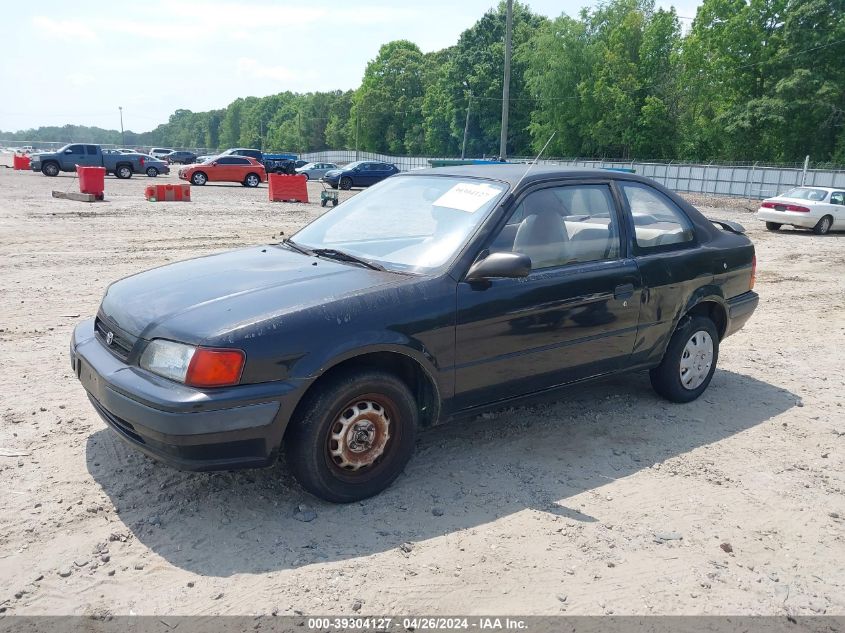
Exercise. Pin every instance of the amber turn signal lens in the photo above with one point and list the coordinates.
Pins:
(215, 367)
(753, 272)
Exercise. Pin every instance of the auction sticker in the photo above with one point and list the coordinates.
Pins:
(467, 196)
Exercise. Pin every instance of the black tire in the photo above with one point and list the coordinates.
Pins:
(152, 172)
(252, 180)
(334, 202)
(346, 183)
(773, 226)
(50, 169)
(667, 378)
(309, 442)
(323, 202)
(199, 178)
(823, 226)
(123, 172)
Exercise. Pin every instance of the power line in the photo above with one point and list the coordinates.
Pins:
(806, 50)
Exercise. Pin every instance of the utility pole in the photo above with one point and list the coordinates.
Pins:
(506, 85)
(299, 129)
(122, 135)
(357, 130)
(466, 128)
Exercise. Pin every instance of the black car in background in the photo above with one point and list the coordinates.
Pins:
(362, 173)
(434, 295)
(183, 157)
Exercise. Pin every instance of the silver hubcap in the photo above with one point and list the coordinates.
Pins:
(696, 360)
(199, 179)
(252, 180)
(359, 435)
(825, 224)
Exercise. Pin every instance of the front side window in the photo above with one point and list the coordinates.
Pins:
(657, 220)
(410, 223)
(76, 149)
(564, 225)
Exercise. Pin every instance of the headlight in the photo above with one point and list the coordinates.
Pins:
(194, 366)
(168, 359)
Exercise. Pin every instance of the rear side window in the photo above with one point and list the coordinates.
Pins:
(657, 220)
(91, 149)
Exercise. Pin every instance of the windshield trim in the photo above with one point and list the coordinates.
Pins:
(459, 252)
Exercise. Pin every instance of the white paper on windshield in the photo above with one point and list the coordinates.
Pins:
(466, 196)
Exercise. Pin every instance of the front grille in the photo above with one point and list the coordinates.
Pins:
(121, 343)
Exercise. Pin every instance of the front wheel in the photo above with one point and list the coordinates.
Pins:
(123, 172)
(773, 226)
(199, 178)
(50, 169)
(152, 172)
(353, 436)
(689, 362)
(346, 183)
(823, 226)
(252, 180)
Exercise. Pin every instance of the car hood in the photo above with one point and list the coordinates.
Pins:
(334, 172)
(209, 297)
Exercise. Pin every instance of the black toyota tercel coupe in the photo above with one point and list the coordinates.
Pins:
(433, 295)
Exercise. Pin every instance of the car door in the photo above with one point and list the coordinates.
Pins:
(574, 316)
(73, 156)
(837, 209)
(380, 172)
(364, 176)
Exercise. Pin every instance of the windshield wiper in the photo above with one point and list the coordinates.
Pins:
(300, 249)
(333, 253)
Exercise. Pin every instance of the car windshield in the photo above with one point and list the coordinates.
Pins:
(806, 193)
(406, 223)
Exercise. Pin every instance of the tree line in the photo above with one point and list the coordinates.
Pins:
(749, 80)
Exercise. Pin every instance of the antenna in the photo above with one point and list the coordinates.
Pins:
(535, 160)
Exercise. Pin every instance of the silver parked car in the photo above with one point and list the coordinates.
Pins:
(315, 171)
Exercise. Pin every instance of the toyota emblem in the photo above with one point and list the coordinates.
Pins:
(109, 338)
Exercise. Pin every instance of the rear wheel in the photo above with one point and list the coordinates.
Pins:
(252, 180)
(689, 362)
(346, 183)
(199, 178)
(152, 172)
(773, 226)
(823, 226)
(123, 172)
(353, 436)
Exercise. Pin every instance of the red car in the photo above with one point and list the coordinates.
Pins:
(247, 171)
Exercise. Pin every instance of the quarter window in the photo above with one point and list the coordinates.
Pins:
(657, 220)
(562, 225)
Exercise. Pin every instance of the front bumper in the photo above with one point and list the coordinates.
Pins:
(190, 429)
(740, 309)
(792, 218)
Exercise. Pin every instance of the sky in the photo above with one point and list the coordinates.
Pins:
(78, 62)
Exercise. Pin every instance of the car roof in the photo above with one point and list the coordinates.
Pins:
(512, 173)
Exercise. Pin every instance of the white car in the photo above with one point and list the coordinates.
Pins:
(820, 209)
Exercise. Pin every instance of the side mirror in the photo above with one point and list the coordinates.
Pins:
(500, 265)
(214, 163)
(68, 151)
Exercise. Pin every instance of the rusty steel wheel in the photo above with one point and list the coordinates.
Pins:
(353, 434)
(360, 434)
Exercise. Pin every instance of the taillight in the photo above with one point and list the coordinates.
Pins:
(795, 207)
(142, 161)
(215, 367)
(753, 272)
(768, 205)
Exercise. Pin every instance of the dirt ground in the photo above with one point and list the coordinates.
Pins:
(609, 501)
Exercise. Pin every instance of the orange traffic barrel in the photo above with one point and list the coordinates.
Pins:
(91, 180)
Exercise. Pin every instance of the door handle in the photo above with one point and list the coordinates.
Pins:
(625, 291)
